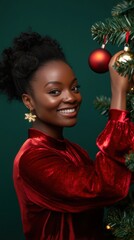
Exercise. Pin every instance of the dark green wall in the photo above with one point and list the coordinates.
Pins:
(69, 21)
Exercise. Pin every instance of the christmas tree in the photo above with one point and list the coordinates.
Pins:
(117, 30)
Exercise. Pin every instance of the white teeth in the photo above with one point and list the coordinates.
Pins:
(68, 110)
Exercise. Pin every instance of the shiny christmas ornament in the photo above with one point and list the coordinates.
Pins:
(126, 56)
(99, 59)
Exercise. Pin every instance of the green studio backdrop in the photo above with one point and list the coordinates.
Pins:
(68, 21)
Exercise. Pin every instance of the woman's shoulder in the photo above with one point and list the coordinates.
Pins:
(77, 148)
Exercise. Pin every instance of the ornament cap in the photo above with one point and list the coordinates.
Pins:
(126, 48)
(103, 45)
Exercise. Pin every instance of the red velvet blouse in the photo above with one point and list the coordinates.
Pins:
(61, 191)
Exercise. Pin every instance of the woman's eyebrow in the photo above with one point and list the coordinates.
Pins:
(53, 82)
(58, 82)
(74, 80)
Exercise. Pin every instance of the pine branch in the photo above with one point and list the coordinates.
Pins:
(125, 68)
(130, 105)
(114, 28)
(123, 8)
(122, 222)
(102, 104)
(120, 218)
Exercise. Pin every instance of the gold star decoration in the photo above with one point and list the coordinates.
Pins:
(30, 117)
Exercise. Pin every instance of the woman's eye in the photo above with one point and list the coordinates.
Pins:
(54, 92)
(76, 88)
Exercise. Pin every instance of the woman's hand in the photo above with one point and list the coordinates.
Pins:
(119, 86)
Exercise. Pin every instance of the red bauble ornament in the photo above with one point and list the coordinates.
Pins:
(99, 59)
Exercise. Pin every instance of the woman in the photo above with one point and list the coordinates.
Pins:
(61, 191)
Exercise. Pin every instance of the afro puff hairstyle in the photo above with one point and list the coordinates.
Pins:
(29, 51)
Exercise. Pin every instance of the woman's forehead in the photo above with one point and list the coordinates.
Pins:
(55, 71)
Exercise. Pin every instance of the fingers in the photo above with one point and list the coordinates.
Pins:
(119, 83)
(113, 59)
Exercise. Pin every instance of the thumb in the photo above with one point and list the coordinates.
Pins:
(114, 57)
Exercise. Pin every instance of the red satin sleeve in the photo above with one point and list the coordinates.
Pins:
(118, 137)
(51, 180)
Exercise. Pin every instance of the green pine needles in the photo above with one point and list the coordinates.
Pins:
(102, 104)
(121, 222)
(122, 8)
(120, 216)
(125, 68)
(114, 29)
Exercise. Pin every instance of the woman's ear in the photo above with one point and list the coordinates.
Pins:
(27, 100)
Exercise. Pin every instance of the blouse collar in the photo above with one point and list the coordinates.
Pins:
(48, 140)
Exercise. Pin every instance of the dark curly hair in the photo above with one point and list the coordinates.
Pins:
(29, 51)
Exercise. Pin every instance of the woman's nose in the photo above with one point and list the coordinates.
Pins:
(69, 97)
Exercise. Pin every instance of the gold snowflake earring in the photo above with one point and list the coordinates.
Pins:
(30, 117)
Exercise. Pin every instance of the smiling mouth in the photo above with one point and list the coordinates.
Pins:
(66, 111)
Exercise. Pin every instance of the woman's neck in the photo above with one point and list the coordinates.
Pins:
(52, 131)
